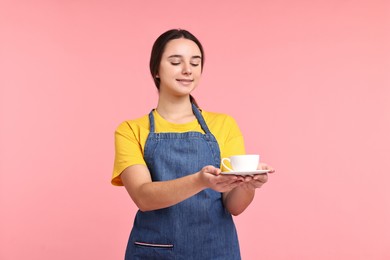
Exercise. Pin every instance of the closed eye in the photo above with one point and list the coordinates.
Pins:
(178, 63)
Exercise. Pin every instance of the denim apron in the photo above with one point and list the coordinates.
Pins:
(197, 228)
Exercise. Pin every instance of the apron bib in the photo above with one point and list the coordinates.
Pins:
(196, 228)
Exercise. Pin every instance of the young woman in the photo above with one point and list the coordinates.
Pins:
(169, 162)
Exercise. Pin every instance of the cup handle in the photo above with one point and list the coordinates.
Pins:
(224, 165)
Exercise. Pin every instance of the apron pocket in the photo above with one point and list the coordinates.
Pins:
(153, 251)
(143, 244)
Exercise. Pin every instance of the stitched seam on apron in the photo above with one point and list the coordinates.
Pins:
(153, 245)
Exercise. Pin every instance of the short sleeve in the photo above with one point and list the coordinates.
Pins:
(234, 140)
(128, 151)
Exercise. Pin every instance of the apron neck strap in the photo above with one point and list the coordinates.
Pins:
(200, 118)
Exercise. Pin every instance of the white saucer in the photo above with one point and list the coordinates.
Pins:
(246, 172)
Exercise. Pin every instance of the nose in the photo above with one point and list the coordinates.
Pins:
(187, 69)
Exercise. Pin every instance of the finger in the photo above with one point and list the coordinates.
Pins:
(217, 171)
(212, 170)
(223, 177)
(270, 169)
(226, 180)
(226, 187)
(240, 178)
(261, 178)
(231, 186)
(262, 166)
(248, 178)
(257, 184)
(251, 185)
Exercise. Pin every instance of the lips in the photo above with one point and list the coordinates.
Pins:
(185, 81)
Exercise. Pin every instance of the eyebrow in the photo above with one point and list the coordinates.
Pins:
(180, 56)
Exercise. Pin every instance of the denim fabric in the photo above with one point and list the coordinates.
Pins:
(196, 228)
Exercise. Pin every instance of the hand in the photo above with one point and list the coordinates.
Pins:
(211, 178)
(264, 166)
(252, 182)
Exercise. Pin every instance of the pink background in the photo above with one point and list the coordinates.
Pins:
(307, 81)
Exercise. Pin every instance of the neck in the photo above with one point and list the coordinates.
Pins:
(178, 111)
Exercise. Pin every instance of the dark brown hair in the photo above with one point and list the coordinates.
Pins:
(159, 47)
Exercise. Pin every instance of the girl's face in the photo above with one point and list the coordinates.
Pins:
(180, 67)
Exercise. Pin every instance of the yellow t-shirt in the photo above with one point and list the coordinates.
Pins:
(131, 135)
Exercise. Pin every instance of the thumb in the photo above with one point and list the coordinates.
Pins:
(211, 169)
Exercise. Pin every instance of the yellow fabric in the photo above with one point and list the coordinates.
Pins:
(131, 135)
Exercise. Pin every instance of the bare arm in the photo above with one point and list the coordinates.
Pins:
(149, 195)
(239, 198)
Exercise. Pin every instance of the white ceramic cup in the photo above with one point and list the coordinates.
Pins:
(248, 162)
